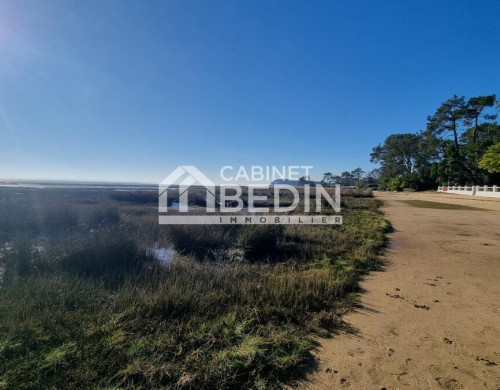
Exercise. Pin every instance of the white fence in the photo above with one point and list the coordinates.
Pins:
(491, 192)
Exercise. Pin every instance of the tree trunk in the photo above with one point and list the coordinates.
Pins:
(455, 135)
(474, 134)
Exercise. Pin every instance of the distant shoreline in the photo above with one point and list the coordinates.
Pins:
(75, 184)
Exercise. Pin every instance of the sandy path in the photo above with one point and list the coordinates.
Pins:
(448, 261)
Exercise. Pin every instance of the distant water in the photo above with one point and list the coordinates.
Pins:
(89, 186)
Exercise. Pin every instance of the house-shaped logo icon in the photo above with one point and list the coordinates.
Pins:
(183, 177)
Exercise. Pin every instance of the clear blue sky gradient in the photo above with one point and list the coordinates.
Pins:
(128, 90)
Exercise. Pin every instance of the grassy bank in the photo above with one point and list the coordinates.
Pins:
(84, 304)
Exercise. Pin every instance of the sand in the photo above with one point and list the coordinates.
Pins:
(431, 319)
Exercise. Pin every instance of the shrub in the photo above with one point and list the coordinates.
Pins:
(227, 243)
(396, 184)
(107, 255)
(260, 242)
(202, 241)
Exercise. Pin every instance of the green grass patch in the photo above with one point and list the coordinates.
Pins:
(438, 205)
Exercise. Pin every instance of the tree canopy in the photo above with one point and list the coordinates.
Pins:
(454, 147)
(491, 159)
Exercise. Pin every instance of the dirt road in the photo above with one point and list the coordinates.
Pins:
(431, 320)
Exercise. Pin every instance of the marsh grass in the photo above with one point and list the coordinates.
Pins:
(239, 307)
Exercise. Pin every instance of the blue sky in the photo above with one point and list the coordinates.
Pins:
(128, 90)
